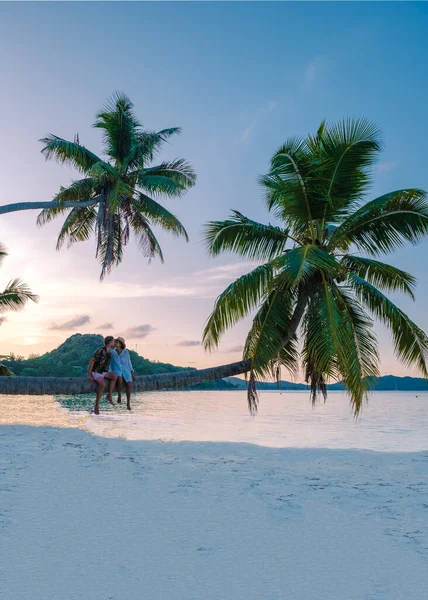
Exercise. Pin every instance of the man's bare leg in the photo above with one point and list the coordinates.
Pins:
(128, 386)
(112, 382)
(100, 390)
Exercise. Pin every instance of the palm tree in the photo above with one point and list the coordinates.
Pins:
(116, 196)
(318, 277)
(14, 297)
(320, 283)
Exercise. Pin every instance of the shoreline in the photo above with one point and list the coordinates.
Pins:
(106, 518)
(389, 423)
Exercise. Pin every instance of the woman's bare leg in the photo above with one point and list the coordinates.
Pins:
(119, 385)
(128, 387)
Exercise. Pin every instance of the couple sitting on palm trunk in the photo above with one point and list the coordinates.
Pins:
(112, 362)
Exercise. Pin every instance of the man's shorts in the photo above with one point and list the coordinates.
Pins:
(100, 376)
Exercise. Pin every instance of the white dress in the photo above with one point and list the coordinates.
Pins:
(121, 364)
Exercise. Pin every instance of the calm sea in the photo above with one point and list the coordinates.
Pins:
(391, 421)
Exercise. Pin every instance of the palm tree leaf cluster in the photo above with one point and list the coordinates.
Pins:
(14, 297)
(320, 284)
(118, 193)
(16, 294)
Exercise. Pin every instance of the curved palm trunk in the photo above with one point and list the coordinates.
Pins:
(7, 208)
(38, 386)
(80, 385)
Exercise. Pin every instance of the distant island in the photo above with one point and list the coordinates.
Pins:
(385, 383)
(71, 359)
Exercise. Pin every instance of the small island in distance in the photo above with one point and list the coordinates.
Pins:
(71, 358)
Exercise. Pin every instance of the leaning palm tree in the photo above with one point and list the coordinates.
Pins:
(116, 195)
(320, 283)
(14, 297)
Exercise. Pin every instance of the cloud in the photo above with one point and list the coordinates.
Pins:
(106, 326)
(90, 289)
(229, 271)
(139, 331)
(384, 167)
(272, 105)
(189, 343)
(71, 324)
(313, 71)
(189, 286)
(257, 119)
(237, 348)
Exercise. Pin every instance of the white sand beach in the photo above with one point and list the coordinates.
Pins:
(91, 518)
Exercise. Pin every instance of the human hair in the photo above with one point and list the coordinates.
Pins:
(108, 340)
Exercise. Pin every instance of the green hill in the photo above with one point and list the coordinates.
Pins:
(71, 359)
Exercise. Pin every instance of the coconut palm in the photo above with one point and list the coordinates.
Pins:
(320, 283)
(16, 294)
(116, 195)
(14, 297)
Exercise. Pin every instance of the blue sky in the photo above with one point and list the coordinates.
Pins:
(239, 78)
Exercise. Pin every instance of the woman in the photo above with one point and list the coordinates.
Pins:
(121, 366)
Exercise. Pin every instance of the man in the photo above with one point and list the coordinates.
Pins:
(98, 371)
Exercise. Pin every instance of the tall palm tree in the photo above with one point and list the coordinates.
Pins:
(320, 283)
(14, 297)
(117, 194)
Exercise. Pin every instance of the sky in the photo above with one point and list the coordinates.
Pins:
(238, 78)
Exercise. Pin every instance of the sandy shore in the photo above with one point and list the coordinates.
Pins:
(88, 518)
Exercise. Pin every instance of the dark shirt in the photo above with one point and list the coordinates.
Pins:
(101, 360)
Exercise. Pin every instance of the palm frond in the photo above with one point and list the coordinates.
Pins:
(82, 189)
(146, 239)
(78, 226)
(117, 193)
(119, 125)
(381, 275)
(345, 152)
(286, 184)
(303, 263)
(78, 191)
(113, 240)
(16, 295)
(3, 252)
(319, 358)
(237, 301)
(410, 342)
(103, 173)
(385, 224)
(147, 145)
(267, 343)
(172, 178)
(353, 342)
(360, 365)
(158, 215)
(245, 237)
(73, 153)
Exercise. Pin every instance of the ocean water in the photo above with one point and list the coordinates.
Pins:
(390, 422)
